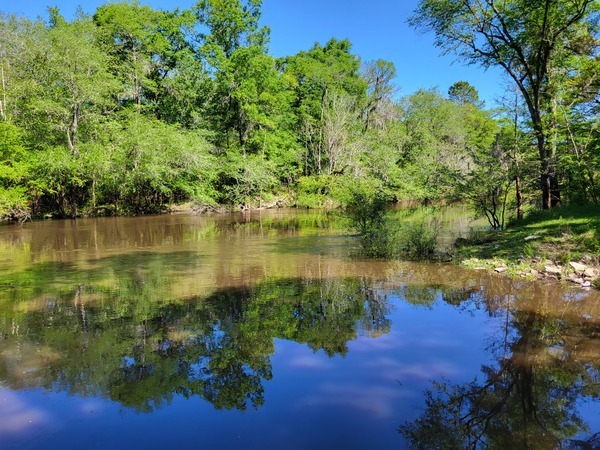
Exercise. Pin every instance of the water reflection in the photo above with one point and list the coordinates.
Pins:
(129, 346)
(141, 313)
(546, 363)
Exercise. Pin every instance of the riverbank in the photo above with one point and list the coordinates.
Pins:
(560, 244)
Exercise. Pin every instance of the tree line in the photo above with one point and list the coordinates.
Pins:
(131, 109)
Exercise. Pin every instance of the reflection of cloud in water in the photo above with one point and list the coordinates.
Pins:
(16, 416)
(378, 402)
(309, 362)
(399, 340)
(369, 344)
(391, 369)
(299, 356)
(440, 341)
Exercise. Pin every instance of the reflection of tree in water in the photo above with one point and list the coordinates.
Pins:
(142, 351)
(527, 399)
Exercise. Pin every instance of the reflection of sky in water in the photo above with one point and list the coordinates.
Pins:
(349, 401)
(357, 400)
(353, 401)
(17, 417)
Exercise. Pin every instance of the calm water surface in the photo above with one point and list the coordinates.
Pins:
(264, 331)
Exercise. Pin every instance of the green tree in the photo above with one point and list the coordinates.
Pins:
(64, 100)
(522, 37)
(464, 93)
(434, 151)
(154, 164)
(231, 24)
(73, 83)
(576, 115)
(229, 38)
(14, 173)
(323, 76)
(145, 46)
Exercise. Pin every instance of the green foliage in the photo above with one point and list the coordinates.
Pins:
(231, 24)
(366, 208)
(14, 167)
(14, 204)
(245, 179)
(419, 240)
(462, 92)
(58, 181)
(145, 46)
(536, 50)
(326, 81)
(314, 192)
(156, 164)
(383, 236)
(135, 108)
(441, 137)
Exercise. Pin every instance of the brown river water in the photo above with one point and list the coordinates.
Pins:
(265, 330)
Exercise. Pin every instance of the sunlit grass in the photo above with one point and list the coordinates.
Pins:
(562, 234)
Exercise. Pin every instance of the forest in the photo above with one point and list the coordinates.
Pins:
(132, 109)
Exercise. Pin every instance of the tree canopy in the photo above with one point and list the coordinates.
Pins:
(132, 109)
(529, 40)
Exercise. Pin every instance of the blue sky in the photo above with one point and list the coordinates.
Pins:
(376, 28)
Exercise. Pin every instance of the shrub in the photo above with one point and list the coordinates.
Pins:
(419, 240)
(313, 192)
(366, 209)
(14, 204)
(382, 237)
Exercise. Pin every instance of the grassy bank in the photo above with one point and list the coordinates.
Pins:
(562, 243)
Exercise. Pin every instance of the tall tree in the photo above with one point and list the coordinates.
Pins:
(63, 107)
(145, 46)
(231, 24)
(440, 139)
(463, 93)
(523, 37)
(379, 108)
(75, 82)
(229, 36)
(321, 75)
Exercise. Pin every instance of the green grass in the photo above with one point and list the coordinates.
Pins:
(565, 234)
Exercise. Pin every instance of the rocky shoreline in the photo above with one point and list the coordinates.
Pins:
(584, 273)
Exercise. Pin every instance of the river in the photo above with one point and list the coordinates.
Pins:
(266, 330)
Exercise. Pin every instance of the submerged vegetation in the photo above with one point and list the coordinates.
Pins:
(132, 109)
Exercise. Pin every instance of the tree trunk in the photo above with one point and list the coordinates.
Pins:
(548, 179)
(553, 178)
(519, 197)
(3, 107)
(94, 195)
(518, 188)
(72, 131)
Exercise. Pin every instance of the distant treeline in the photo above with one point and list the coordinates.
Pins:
(132, 109)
